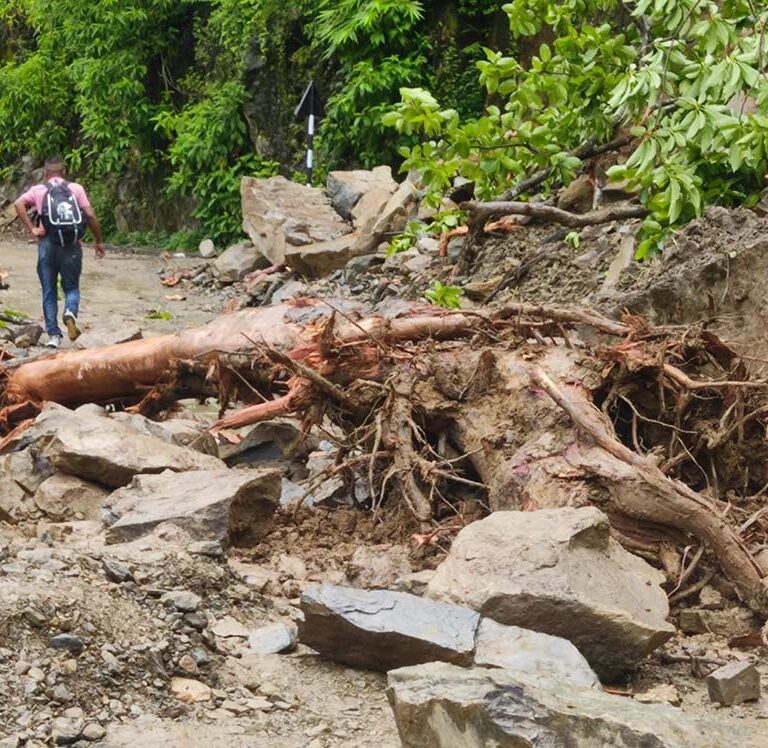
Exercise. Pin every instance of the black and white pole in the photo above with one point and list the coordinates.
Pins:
(311, 108)
(310, 149)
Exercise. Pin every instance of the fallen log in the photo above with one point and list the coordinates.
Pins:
(519, 409)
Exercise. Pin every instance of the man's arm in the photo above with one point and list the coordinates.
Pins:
(21, 212)
(93, 222)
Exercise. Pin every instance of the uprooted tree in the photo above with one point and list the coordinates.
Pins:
(509, 409)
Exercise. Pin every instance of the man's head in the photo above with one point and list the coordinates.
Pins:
(54, 167)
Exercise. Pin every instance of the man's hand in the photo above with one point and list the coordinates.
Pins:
(99, 250)
(38, 231)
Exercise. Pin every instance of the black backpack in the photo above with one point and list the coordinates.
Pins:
(61, 217)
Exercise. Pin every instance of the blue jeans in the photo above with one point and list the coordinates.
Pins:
(54, 261)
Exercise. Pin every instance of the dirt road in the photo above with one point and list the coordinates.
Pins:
(118, 293)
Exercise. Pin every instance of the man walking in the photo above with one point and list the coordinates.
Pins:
(63, 209)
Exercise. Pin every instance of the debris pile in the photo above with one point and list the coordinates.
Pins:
(536, 519)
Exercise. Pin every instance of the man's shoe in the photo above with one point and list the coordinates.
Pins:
(54, 341)
(70, 321)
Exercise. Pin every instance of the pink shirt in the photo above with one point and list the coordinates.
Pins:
(33, 197)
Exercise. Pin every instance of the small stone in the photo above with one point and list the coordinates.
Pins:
(190, 691)
(36, 674)
(196, 621)
(260, 704)
(34, 617)
(115, 571)
(187, 664)
(65, 731)
(230, 627)
(272, 639)
(207, 249)
(22, 667)
(93, 731)
(111, 663)
(734, 683)
(663, 694)
(710, 598)
(183, 600)
(61, 694)
(200, 656)
(70, 642)
(69, 667)
(210, 548)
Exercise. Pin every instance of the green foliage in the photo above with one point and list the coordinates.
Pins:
(671, 85)
(379, 48)
(448, 297)
(406, 239)
(208, 144)
(158, 314)
(574, 239)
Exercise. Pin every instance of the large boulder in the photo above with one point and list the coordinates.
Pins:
(346, 188)
(278, 213)
(381, 630)
(559, 572)
(101, 450)
(439, 705)
(21, 474)
(227, 505)
(237, 261)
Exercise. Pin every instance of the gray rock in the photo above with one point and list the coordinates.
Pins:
(101, 450)
(235, 262)
(182, 600)
(65, 497)
(559, 572)
(115, 571)
(438, 705)
(531, 655)
(209, 548)
(381, 630)
(278, 213)
(68, 642)
(346, 188)
(93, 731)
(65, 731)
(224, 505)
(207, 249)
(415, 583)
(379, 220)
(734, 683)
(273, 639)
(320, 258)
(180, 431)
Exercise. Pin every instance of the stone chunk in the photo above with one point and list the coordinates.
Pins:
(531, 655)
(726, 623)
(225, 505)
(734, 683)
(64, 497)
(346, 188)
(189, 690)
(65, 730)
(183, 600)
(559, 572)
(438, 705)
(381, 630)
(320, 258)
(235, 262)
(278, 213)
(101, 450)
(272, 639)
(207, 249)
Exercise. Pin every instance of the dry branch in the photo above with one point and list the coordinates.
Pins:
(481, 213)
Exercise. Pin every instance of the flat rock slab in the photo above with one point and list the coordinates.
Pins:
(439, 705)
(531, 655)
(346, 188)
(225, 505)
(559, 572)
(100, 450)
(381, 630)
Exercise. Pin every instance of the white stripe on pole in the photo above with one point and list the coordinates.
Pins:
(310, 159)
(311, 124)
